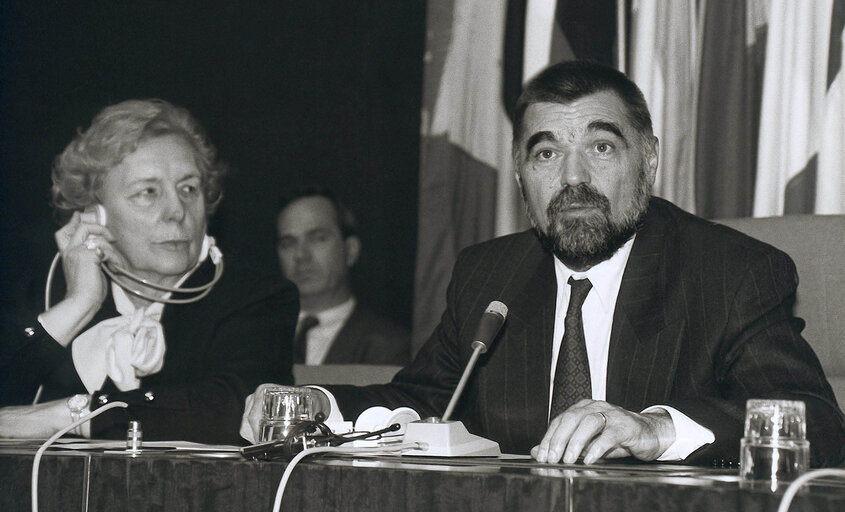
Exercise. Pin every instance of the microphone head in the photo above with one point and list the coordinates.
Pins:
(489, 324)
(497, 308)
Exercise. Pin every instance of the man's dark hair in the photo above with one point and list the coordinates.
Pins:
(345, 218)
(567, 81)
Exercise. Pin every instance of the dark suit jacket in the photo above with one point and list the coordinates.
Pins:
(218, 350)
(367, 338)
(703, 322)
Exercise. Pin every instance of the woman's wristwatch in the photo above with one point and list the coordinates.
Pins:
(79, 406)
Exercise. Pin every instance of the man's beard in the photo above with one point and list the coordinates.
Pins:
(581, 242)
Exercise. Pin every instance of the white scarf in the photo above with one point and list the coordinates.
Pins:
(123, 348)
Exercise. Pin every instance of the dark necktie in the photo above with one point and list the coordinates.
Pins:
(572, 374)
(300, 342)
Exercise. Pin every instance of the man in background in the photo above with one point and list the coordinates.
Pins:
(317, 248)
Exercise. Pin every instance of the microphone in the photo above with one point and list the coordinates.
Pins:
(444, 438)
(488, 327)
(489, 324)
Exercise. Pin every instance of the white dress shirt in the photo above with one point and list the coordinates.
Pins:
(597, 315)
(321, 336)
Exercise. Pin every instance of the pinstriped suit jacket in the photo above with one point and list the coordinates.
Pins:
(703, 322)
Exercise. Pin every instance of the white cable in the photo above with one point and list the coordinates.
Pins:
(203, 290)
(277, 504)
(37, 461)
(50, 274)
(47, 288)
(796, 484)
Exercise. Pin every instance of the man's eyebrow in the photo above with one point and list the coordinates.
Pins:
(322, 230)
(544, 136)
(312, 231)
(606, 126)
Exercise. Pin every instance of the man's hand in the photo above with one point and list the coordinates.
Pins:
(597, 429)
(250, 428)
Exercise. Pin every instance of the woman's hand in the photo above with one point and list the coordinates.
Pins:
(83, 244)
(38, 421)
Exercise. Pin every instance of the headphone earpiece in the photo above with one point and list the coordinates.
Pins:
(99, 213)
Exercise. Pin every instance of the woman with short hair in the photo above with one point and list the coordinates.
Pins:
(138, 186)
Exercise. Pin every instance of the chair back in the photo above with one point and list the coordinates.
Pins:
(356, 374)
(817, 245)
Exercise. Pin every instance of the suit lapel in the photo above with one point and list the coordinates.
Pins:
(643, 347)
(528, 340)
(346, 345)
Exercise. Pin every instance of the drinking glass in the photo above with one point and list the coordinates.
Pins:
(775, 449)
(284, 408)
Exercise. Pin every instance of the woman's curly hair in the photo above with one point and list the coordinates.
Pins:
(115, 132)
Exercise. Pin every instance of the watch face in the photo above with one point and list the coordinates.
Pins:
(77, 402)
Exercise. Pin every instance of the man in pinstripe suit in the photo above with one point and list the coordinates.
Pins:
(684, 321)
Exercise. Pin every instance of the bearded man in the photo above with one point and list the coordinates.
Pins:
(634, 329)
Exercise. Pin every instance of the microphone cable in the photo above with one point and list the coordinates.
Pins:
(802, 480)
(36, 462)
(277, 504)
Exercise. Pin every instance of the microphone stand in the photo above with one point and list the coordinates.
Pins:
(478, 348)
(442, 437)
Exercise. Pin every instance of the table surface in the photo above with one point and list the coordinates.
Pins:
(163, 481)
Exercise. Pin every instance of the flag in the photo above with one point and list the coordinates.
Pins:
(830, 194)
(664, 64)
(464, 145)
(730, 87)
(801, 125)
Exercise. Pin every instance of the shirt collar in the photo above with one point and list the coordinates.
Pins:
(333, 314)
(606, 277)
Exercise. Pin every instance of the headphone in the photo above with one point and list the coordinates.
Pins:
(114, 271)
(307, 434)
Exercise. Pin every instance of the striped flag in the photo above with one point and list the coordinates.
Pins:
(464, 145)
(800, 163)
(830, 194)
(664, 64)
(733, 49)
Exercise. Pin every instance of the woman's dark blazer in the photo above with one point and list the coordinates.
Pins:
(218, 350)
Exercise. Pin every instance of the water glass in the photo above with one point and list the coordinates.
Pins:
(775, 449)
(284, 408)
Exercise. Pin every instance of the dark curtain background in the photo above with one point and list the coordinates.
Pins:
(292, 94)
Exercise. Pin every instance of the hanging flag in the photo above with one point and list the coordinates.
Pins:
(730, 89)
(800, 126)
(664, 64)
(464, 145)
(830, 194)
